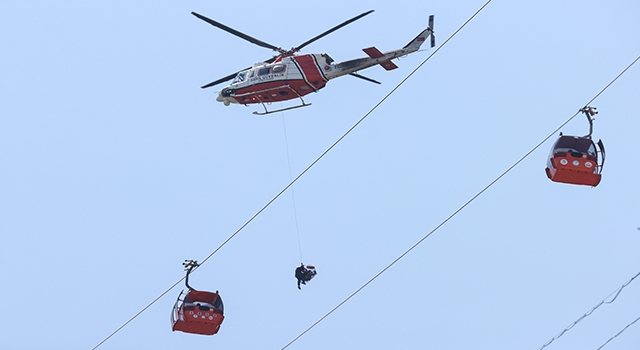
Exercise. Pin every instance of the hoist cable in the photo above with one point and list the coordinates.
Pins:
(293, 196)
(464, 205)
(588, 313)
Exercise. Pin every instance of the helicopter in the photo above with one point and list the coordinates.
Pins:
(289, 75)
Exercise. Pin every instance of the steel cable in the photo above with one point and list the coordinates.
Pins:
(325, 153)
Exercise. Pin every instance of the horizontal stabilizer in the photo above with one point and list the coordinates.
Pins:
(375, 53)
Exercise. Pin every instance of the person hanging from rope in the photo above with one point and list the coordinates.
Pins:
(301, 271)
(304, 274)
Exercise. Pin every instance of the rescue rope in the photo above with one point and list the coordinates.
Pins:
(293, 197)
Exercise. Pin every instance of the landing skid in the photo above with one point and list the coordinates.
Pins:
(266, 111)
(280, 110)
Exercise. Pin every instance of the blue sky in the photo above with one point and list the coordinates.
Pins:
(117, 167)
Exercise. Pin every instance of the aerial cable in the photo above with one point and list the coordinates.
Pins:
(615, 336)
(606, 300)
(465, 204)
(305, 171)
(293, 197)
(616, 78)
(139, 312)
(325, 153)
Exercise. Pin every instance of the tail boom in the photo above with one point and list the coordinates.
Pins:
(375, 57)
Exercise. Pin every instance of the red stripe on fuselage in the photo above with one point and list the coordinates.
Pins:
(284, 89)
(273, 91)
(310, 71)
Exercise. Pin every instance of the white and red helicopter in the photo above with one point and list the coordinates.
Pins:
(289, 76)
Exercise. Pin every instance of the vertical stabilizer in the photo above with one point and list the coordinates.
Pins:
(414, 45)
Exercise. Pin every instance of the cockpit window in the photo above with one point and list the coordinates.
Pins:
(264, 71)
(240, 77)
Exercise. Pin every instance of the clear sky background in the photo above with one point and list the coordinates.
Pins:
(116, 167)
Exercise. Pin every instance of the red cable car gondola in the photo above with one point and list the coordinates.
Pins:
(575, 159)
(197, 312)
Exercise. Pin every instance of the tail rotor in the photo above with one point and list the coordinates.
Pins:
(433, 38)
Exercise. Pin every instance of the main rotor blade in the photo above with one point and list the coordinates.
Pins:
(299, 47)
(237, 33)
(222, 80)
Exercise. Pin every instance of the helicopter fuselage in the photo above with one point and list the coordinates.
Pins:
(294, 76)
(286, 78)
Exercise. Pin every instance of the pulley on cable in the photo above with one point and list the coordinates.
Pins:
(576, 159)
(197, 312)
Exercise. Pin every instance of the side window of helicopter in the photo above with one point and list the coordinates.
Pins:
(279, 68)
(264, 71)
